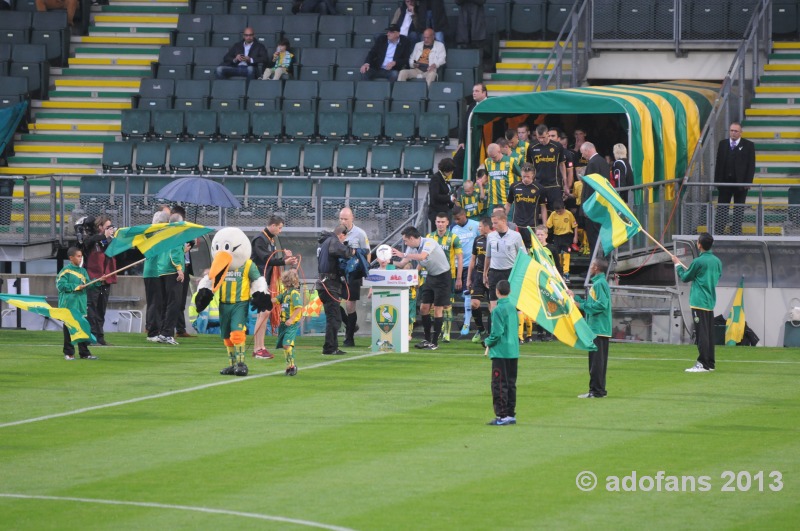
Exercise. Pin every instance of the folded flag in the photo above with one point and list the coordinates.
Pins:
(606, 207)
(154, 239)
(314, 306)
(539, 294)
(734, 326)
(78, 326)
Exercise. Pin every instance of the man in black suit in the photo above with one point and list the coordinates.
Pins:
(596, 164)
(388, 55)
(243, 59)
(736, 163)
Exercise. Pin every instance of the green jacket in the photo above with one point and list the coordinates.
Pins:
(597, 306)
(704, 275)
(151, 267)
(503, 341)
(67, 280)
(170, 262)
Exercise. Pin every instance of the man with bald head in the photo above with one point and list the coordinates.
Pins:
(502, 171)
(243, 58)
(425, 60)
(355, 238)
(596, 163)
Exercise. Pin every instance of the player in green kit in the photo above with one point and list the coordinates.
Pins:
(291, 312)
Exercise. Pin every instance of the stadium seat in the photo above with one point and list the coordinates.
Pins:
(333, 126)
(297, 199)
(527, 19)
(335, 31)
(194, 29)
(13, 90)
(227, 30)
(373, 96)
(318, 159)
(557, 16)
(228, 94)
(446, 97)
(418, 160)
(365, 198)
(400, 126)
(262, 197)
(252, 158)
(367, 126)
(218, 158)
(151, 157)
(117, 156)
(95, 195)
(352, 159)
(366, 27)
(637, 18)
(352, 7)
(784, 17)
(206, 60)
(318, 64)
(348, 63)
(192, 94)
(135, 123)
(51, 29)
(15, 27)
(156, 183)
(434, 128)
(500, 10)
(300, 126)
(301, 30)
(234, 125)
(705, 19)
(264, 96)
(284, 159)
(410, 97)
(300, 96)
(278, 7)
(386, 159)
(398, 199)
(174, 62)
(184, 157)
(267, 28)
(266, 125)
(211, 7)
(739, 15)
(382, 8)
(5, 58)
(30, 60)
(246, 7)
(333, 196)
(155, 94)
(168, 124)
(200, 125)
(337, 96)
(605, 18)
(664, 18)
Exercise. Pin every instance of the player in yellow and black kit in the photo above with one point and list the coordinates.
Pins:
(291, 312)
(565, 230)
(451, 245)
(502, 172)
(549, 161)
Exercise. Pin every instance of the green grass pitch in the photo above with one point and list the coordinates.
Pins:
(152, 437)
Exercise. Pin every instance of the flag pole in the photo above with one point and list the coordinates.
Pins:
(659, 244)
(114, 272)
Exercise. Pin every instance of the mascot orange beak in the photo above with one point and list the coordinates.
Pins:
(219, 268)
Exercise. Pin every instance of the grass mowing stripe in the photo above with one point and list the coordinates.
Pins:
(209, 510)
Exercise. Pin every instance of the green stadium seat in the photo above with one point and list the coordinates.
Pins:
(184, 157)
(200, 124)
(386, 159)
(434, 128)
(218, 158)
(318, 159)
(174, 62)
(168, 124)
(151, 157)
(418, 160)
(266, 125)
(192, 94)
(352, 159)
(135, 123)
(234, 125)
(284, 159)
(367, 126)
(334, 126)
(117, 156)
(194, 29)
(251, 158)
(300, 126)
(400, 127)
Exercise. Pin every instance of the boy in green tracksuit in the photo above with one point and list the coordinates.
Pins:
(502, 346)
(703, 273)
(597, 308)
(70, 283)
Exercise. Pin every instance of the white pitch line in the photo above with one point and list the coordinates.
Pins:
(257, 516)
(180, 391)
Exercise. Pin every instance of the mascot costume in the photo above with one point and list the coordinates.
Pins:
(240, 284)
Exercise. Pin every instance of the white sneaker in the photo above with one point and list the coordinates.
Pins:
(169, 340)
(698, 367)
(154, 339)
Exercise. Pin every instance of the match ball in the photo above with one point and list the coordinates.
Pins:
(384, 253)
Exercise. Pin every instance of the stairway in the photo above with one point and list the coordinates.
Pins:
(67, 131)
(521, 63)
(773, 123)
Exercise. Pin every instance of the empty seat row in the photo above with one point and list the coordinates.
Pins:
(46, 28)
(281, 7)
(26, 61)
(262, 159)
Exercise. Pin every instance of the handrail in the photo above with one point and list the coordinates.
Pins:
(557, 53)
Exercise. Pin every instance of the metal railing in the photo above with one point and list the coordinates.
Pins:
(33, 216)
(573, 42)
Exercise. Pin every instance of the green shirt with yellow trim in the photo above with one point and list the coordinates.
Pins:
(236, 286)
(290, 302)
(451, 245)
(501, 175)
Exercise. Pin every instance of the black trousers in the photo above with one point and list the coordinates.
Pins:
(180, 324)
(504, 386)
(739, 196)
(97, 302)
(598, 363)
(69, 348)
(154, 314)
(172, 304)
(704, 332)
(333, 316)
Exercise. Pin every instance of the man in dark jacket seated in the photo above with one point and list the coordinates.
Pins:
(388, 55)
(243, 59)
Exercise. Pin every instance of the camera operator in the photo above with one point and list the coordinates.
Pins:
(99, 265)
(329, 286)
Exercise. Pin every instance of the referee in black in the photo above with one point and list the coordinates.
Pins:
(548, 160)
(525, 195)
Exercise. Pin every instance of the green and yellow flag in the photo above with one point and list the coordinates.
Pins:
(154, 239)
(734, 326)
(543, 296)
(79, 329)
(606, 207)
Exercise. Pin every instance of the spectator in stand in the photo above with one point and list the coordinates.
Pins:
(100, 266)
(471, 29)
(736, 164)
(387, 56)
(243, 58)
(70, 5)
(425, 60)
(478, 95)
(435, 17)
(621, 171)
(281, 62)
(410, 20)
(440, 193)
